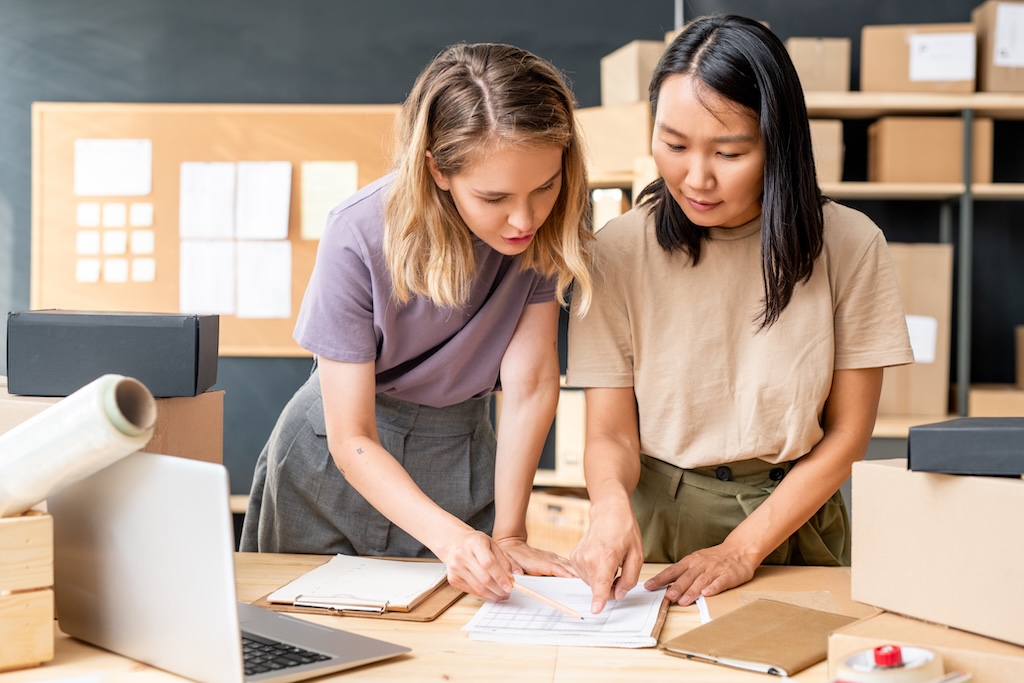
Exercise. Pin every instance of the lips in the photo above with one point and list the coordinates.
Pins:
(698, 205)
(518, 241)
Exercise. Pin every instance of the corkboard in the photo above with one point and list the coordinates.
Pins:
(180, 133)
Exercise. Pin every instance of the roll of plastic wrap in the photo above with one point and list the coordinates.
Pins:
(95, 426)
(890, 664)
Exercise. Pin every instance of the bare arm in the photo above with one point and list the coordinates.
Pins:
(612, 464)
(849, 419)
(475, 564)
(530, 388)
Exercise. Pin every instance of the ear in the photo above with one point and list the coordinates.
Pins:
(440, 179)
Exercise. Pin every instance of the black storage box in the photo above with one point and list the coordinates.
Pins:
(55, 353)
(969, 445)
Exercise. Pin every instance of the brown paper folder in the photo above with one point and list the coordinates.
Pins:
(764, 635)
(427, 610)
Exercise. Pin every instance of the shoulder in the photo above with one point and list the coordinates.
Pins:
(626, 234)
(359, 219)
(847, 228)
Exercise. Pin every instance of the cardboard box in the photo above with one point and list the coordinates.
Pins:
(1020, 357)
(823, 64)
(925, 276)
(827, 142)
(927, 149)
(26, 594)
(55, 353)
(995, 400)
(626, 73)
(556, 519)
(187, 426)
(990, 661)
(999, 26)
(615, 136)
(645, 172)
(969, 445)
(570, 435)
(941, 547)
(918, 58)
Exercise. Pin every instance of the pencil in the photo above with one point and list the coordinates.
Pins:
(547, 601)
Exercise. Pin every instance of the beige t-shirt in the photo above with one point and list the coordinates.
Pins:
(711, 387)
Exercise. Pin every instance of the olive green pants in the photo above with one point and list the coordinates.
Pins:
(681, 511)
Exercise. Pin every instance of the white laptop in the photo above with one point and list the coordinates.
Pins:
(144, 567)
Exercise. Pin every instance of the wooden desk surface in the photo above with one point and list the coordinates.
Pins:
(442, 652)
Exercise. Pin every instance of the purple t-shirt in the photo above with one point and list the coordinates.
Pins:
(424, 354)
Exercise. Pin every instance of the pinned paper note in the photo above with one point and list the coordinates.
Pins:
(87, 270)
(87, 215)
(143, 241)
(325, 184)
(143, 270)
(87, 242)
(115, 242)
(263, 200)
(264, 282)
(942, 56)
(115, 270)
(113, 168)
(206, 205)
(115, 215)
(140, 215)
(207, 277)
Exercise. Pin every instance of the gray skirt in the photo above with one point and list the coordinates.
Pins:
(301, 503)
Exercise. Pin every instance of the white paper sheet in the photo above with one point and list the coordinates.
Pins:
(140, 215)
(942, 56)
(206, 204)
(115, 270)
(95, 426)
(115, 242)
(87, 215)
(113, 168)
(87, 270)
(924, 335)
(1009, 35)
(628, 622)
(325, 184)
(143, 270)
(143, 241)
(207, 277)
(263, 200)
(87, 242)
(115, 215)
(264, 283)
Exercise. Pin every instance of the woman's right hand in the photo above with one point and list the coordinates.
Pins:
(611, 543)
(477, 565)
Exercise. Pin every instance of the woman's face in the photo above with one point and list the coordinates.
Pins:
(710, 152)
(506, 194)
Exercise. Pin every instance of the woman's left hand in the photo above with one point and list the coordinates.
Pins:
(705, 572)
(529, 560)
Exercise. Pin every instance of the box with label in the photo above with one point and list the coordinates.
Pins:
(924, 273)
(990, 661)
(918, 58)
(186, 426)
(927, 149)
(26, 590)
(615, 136)
(1000, 29)
(823, 64)
(941, 547)
(969, 445)
(827, 142)
(55, 353)
(995, 400)
(556, 519)
(626, 73)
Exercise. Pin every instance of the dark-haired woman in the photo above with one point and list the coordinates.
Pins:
(733, 352)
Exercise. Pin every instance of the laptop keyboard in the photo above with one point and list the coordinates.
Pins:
(261, 655)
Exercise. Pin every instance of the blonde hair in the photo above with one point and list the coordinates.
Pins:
(470, 98)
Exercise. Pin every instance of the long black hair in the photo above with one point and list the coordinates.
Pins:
(742, 61)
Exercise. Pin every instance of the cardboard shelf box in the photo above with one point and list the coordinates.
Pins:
(918, 58)
(827, 143)
(995, 400)
(927, 149)
(823, 64)
(626, 73)
(26, 593)
(615, 136)
(998, 25)
(945, 548)
(557, 518)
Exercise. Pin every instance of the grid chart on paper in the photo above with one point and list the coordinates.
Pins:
(502, 617)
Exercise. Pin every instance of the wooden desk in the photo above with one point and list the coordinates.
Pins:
(442, 652)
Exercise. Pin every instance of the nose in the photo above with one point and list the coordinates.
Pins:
(521, 217)
(699, 174)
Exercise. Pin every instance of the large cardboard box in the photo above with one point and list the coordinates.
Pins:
(26, 593)
(823, 64)
(186, 426)
(927, 149)
(570, 435)
(556, 519)
(925, 276)
(999, 26)
(827, 143)
(55, 353)
(918, 58)
(615, 136)
(990, 661)
(992, 446)
(626, 73)
(995, 400)
(941, 547)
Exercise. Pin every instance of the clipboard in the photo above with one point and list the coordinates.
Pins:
(429, 609)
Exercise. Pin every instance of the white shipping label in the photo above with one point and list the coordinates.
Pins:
(924, 332)
(1008, 48)
(942, 57)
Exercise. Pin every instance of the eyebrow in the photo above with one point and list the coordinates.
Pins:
(490, 193)
(723, 138)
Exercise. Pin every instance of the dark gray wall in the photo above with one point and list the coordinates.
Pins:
(369, 51)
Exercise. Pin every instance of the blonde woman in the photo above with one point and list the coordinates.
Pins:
(433, 287)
